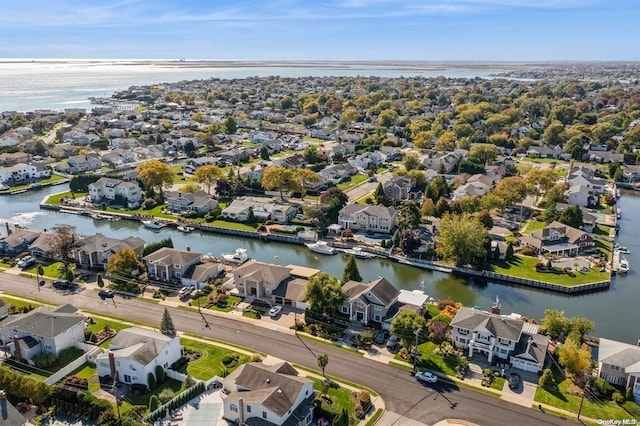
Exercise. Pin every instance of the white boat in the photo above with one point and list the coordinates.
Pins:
(623, 266)
(153, 224)
(240, 256)
(359, 253)
(618, 213)
(98, 216)
(623, 250)
(321, 247)
(186, 229)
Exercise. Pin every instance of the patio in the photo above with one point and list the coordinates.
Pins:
(204, 410)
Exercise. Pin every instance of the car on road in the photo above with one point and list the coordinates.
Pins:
(425, 376)
(273, 312)
(514, 380)
(373, 179)
(61, 284)
(106, 294)
(392, 343)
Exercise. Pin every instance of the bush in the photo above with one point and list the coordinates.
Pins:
(256, 358)
(360, 414)
(149, 203)
(45, 360)
(230, 360)
(546, 380)
(154, 403)
(618, 398)
(160, 375)
(165, 396)
(628, 394)
(602, 388)
(189, 382)
(151, 381)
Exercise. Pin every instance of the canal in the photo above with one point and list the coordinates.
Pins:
(614, 310)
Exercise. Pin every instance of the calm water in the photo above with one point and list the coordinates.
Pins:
(614, 311)
(51, 85)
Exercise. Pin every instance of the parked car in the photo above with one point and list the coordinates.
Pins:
(392, 343)
(61, 284)
(514, 380)
(27, 262)
(273, 312)
(380, 337)
(425, 376)
(184, 290)
(106, 294)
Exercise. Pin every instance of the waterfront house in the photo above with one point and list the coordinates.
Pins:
(134, 353)
(238, 210)
(22, 172)
(114, 190)
(167, 264)
(619, 364)
(579, 195)
(201, 274)
(591, 183)
(506, 339)
(12, 158)
(558, 239)
(398, 188)
(42, 330)
(18, 241)
(199, 202)
(95, 251)
(259, 279)
(258, 394)
(41, 247)
(374, 218)
(84, 163)
(369, 302)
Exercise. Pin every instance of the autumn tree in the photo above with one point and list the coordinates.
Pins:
(324, 292)
(63, 241)
(208, 175)
(540, 180)
(484, 152)
(278, 178)
(351, 272)
(334, 193)
(438, 331)
(461, 239)
(574, 357)
(323, 360)
(409, 241)
(155, 174)
(122, 263)
(446, 141)
(428, 208)
(511, 189)
(305, 178)
(190, 187)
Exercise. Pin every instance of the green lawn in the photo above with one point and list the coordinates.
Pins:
(99, 325)
(210, 364)
(234, 225)
(428, 360)
(561, 398)
(53, 178)
(131, 400)
(284, 153)
(19, 303)
(497, 383)
(88, 372)
(56, 199)
(545, 160)
(340, 399)
(533, 225)
(50, 271)
(523, 267)
(352, 182)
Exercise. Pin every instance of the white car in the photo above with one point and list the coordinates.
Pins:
(425, 376)
(273, 312)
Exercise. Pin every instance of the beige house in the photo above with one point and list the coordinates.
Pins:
(94, 252)
(259, 279)
(107, 189)
(368, 218)
(167, 263)
(619, 364)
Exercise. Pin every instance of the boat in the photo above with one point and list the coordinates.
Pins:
(321, 247)
(618, 213)
(357, 252)
(185, 228)
(240, 256)
(98, 216)
(113, 218)
(153, 224)
(623, 250)
(623, 266)
(35, 185)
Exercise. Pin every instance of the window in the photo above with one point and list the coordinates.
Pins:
(264, 414)
(377, 307)
(233, 408)
(248, 408)
(463, 331)
(461, 340)
(377, 318)
(614, 367)
(503, 351)
(504, 342)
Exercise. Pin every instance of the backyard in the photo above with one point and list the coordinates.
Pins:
(353, 181)
(524, 267)
(99, 324)
(210, 362)
(339, 397)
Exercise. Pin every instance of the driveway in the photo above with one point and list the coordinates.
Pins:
(526, 391)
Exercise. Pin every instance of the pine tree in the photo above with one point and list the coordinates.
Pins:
(100, 280)
(166, 325)
(508, 255)
(351, 271)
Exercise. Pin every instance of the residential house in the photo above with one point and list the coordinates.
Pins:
(134, 353)
(42, 246)
(295, 161)
(605, 157)
(506, 339)
(368, 160)
(558, 239)
(194, 163)
(619, 364)
(579, 195)
(375, 218)
(167, 263)
(443, 163)
(262, 137)
(239, 210)
(476, 186)
(95, 251)
(543, 151)
(42, 330)
(408, 300)
(84, 163)
(258, 394)
(110, 190)
(337, 173)
(12, 139)
(591, 183)
(369, 302)
(632, 173)
(398, 188)
(22, 172)
(199, 202)
(79, 137)
(199, 275)
(12, 158)
(18, 241)
(259, 279)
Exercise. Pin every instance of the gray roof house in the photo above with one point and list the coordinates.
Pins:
(369, 302)
(619, 364)
(198, 202)
(95, 251)
(18, 241)
(398, 188)
(167, 263)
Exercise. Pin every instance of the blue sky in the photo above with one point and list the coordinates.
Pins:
(490, 30)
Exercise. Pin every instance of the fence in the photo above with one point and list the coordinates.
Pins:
(73, 365)
(176, 402)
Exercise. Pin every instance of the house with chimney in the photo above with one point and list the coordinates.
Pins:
(135, 352)
(558, 239)
(18, 241)
(374, 218)
(506, 339)
(42, 330)
(619, 364)
(258, 394)
(95, 251)
(110, 190)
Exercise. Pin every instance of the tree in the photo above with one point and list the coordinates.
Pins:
(409, 215)
(161, 376)
(264, 153)
(580, 325)
(305, 179)
(155, 174)
(99, 280)
(555, 322)
(323, 360)
(334, 193)
(409, 241)
(508, 254)
(190, 187)
(70, 276)
(151, 380)
(540, 180)
(442, 207)
(166, 324)
(572, 216)
(485, 219)
(511, 189)
(154, 403)
(446, 141)
(311, 155)
(437, 188)
(471, 165)
(405, 325)
(223, 188)
(208, 175)
(484, 152)
(324, 292)
(461, 239)
(380, 196)
(438, 331)
(123, 263)
(574, 357)
(351, 272)
(411, 161)
(428, 208)
(547, 381)
(278, 178)
(231, 125)
(165, 396)
(63, 241)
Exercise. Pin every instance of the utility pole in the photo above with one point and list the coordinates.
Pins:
(586, 388)
(414, 351)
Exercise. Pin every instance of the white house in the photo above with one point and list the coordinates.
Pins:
(167, 263)
(135, 352)
(23, 172)
(42, 330)
(619, 364)
(579, 195)
(508, 339)
(268, 395)
(594, 184)
(109, 189)
(239, 210)
(259, 279)
(198, 275)
(368, 218)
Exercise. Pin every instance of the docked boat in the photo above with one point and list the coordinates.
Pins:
(358, 253)
(618, 213)
(623, 250)
(623, 266)
(240, 256)
(186, 229)
(153, 224)
(98, 216)
(321, 247)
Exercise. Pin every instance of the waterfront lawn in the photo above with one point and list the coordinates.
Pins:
(560, 397)
(234, 225)
(352, 182)
(210, 363)
(523, 267)
(155, 212)
(340, 399)
(56, 199)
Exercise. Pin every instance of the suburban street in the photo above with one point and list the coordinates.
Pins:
(367, 187)
(401, 392)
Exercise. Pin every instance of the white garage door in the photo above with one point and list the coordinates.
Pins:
(524, 365)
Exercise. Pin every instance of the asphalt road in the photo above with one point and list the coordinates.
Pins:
(401, 392)
(367, 187)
